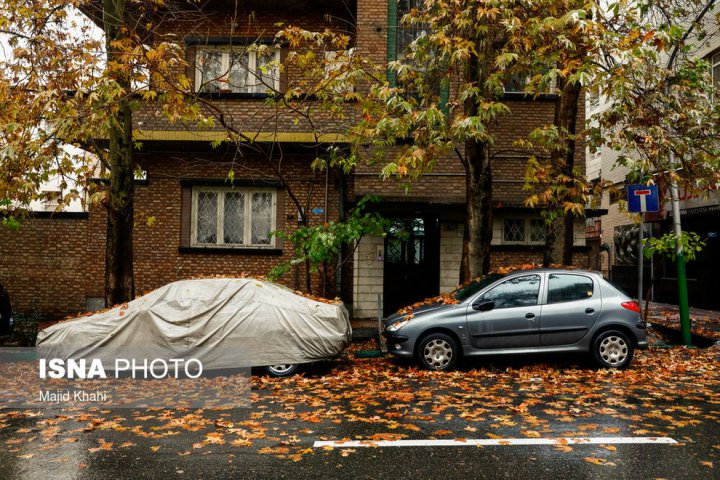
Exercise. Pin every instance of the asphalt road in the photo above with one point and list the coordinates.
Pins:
(667, 394)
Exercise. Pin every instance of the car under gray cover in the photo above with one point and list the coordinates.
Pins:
(223, 322)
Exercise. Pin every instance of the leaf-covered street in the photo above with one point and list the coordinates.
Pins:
(667, 392)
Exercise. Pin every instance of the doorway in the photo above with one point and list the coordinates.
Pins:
(411, 262)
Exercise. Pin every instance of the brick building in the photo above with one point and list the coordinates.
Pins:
(205, 225)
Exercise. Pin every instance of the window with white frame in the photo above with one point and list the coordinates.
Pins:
(233, 217)
(336, 72)
(237, 69)
(523, 231)
(715, 64)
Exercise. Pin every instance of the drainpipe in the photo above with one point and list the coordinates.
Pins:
(341, 217)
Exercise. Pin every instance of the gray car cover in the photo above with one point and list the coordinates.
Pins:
(223, 322)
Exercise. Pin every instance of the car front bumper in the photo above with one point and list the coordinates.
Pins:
(399, 345)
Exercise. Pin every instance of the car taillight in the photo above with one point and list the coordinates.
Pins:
(634, 306)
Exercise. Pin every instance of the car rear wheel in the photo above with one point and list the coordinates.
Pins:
(282, 370)
(613, 349)
(438, 351)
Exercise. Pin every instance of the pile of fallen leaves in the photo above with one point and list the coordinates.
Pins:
(663, 393)
(702, 326)
(505, 269)
(445, 299)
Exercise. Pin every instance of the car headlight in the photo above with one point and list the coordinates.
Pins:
(397, 325)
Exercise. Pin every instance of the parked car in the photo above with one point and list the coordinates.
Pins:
(224, 322)
(527, 311)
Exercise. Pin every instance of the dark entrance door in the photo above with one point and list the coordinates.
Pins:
(412, 262)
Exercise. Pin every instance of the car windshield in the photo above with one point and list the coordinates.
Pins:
(466, 291)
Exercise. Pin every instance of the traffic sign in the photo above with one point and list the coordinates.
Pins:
(642, 198)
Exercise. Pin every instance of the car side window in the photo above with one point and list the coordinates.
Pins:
(569, 288)
(516, 292)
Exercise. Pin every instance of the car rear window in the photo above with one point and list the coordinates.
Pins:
(618, 290)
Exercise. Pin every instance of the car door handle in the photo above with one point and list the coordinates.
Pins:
(530, 315)
(589, 310)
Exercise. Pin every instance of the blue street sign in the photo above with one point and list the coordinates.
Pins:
(642, 198)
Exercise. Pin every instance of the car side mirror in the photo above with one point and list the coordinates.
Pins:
(484, 305)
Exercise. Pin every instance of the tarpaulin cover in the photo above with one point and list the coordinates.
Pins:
(223, 322)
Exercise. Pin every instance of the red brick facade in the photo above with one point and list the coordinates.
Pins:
(55, 265)
(44, 265)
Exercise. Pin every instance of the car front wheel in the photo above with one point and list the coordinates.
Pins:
(438, 351)
(282, 370)
(613, 349)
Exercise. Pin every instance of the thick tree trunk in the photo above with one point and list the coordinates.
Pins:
(119, 282)
(478, 228)
(559, 240)
(559, 234)
(478, 183)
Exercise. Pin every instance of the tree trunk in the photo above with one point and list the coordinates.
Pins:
(478, 183)
(559, 233)
(478, 224)
(119, 282)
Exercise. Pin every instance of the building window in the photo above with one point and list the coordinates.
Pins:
(224, 217)
(593, 100)
(537, 230)
(523, 231)
(715, 64)
(514, 230)
(237, 69)
(336, 71)
(407, 33)
(517, 83)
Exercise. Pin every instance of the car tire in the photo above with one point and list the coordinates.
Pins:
(282, 370)
(438, 351)
(613, 349)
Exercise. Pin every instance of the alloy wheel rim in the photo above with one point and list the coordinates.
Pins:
(438, 354)
(280, 369)
(613, 350)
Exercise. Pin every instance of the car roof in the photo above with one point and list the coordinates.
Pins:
(554, 270)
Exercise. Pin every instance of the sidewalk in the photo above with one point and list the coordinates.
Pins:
(703, 323)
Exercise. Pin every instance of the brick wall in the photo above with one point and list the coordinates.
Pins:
(258, 22)
(57, 265)
(502, 257)
(158, 259)
(43, 265)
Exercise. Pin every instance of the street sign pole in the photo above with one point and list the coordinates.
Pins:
(642, 198)
(640, 259)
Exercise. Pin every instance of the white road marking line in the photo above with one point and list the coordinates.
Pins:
(497, 442)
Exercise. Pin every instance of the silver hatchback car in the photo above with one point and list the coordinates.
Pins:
(527, 311)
